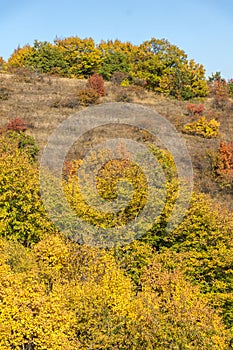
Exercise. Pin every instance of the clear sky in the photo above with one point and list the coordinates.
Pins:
(202, 28)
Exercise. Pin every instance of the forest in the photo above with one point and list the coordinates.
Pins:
(161, 290)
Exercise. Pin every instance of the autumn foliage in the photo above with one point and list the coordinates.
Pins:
(195, 109)
(17, 125)
(220, 92)
(96, 82)
(203, 127)
(224, 162)
(166, 290)
(154, 64)
(87, 96)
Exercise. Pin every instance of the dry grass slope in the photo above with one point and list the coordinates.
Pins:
(43, 102)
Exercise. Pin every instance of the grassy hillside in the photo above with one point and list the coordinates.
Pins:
(44, 101)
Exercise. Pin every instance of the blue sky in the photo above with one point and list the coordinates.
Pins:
(203, 29)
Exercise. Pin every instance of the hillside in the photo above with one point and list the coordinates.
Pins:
(62, 285)
(45, 101)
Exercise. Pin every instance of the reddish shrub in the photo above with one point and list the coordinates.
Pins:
(17, 124)
(220, 93)
(96, 82)
(195, 109)
(225, 158)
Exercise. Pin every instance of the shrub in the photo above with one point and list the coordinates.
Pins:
(203, 127)
(195, 109)
(220, 94)
(67, 102)
(81, 57)
(118, 77)
(139, 82)
(125, 83)
(4, 93)
(230, 87)
(123, 96)
(2, 63)
(96, 82)
(43, 56)
(224, 163)
(26, 144)
(17, 125)
(87, 97)
(167, 70)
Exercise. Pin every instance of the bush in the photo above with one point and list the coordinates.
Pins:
(118, 77)
(163, 67)
(68, 102)
(230, 87)
(139, 82)
(26, 144)
(225, 156)
(123, 96)
(203, 127)
(96, 82)
(17, 125)
(4, 93)
(2, 62)
(195, 109)
(220, 94)
(223, 166)
(87, 97)
(125, 83)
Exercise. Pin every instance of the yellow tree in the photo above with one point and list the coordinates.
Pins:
(174, 314)
(81, 56)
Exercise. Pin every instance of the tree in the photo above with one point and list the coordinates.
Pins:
(81, 56)
(202, 242)
(20, 56)
(22, 215)
(117, 57)
(166, 69)
(174, 314)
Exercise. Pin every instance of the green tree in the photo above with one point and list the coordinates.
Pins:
(202, 245)
(22, 215)
(166, 69)
(117, 57)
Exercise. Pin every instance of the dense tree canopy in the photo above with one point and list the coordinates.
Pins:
(162, 291)
(164, 67)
